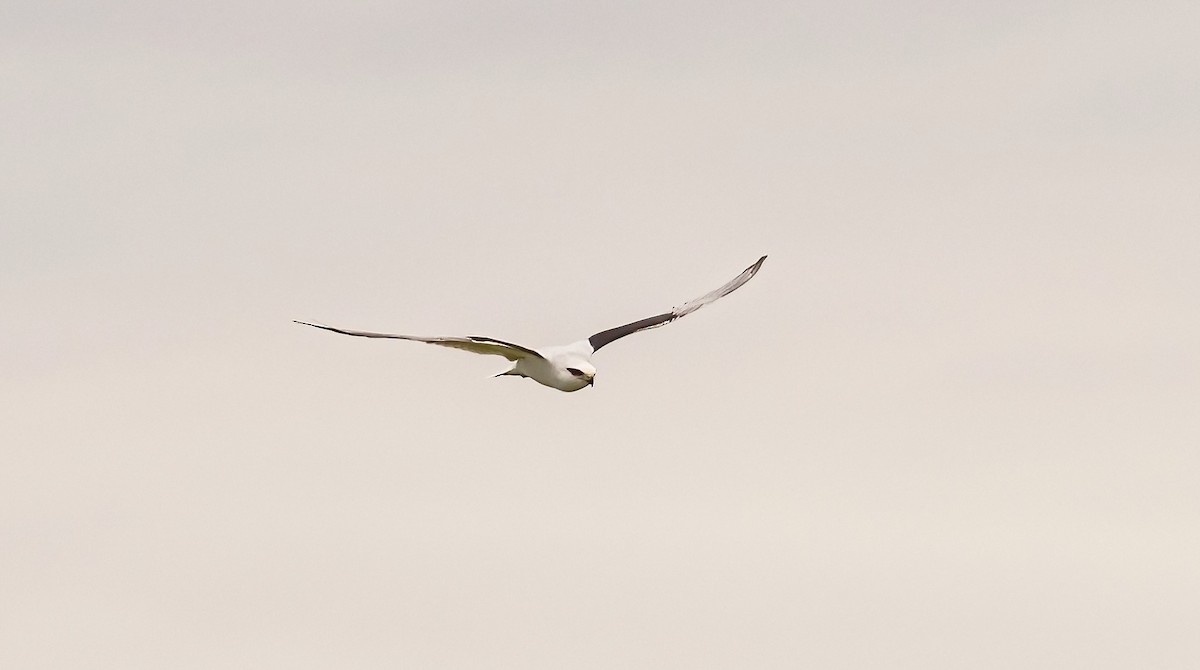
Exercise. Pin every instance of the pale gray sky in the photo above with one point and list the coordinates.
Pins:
(951, 424)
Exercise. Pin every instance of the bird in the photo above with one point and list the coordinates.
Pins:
(568, 367)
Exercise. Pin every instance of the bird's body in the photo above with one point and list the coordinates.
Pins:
(568, 367)
(554, 367)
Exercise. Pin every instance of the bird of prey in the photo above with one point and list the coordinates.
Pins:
(569, 367)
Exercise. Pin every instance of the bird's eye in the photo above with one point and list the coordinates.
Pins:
(575, 372)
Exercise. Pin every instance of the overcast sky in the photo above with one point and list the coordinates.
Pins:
(952, 423)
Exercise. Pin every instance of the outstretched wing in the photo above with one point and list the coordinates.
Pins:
(476, 345)
(605, 336)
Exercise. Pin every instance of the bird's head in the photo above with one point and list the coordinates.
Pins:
(581, 372)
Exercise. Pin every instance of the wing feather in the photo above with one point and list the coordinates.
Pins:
(606, 336)
(476, 345)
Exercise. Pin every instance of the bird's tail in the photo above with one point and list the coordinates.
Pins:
(512, 372)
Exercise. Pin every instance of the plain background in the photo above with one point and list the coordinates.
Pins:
(951, 424)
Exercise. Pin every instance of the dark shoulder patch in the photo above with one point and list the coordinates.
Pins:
(605, 336)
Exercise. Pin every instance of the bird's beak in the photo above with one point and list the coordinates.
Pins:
(592, 380)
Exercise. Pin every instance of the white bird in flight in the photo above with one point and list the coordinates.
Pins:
(569, 367)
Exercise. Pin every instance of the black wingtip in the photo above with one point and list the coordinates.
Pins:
(315, 325)
(753, 269)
